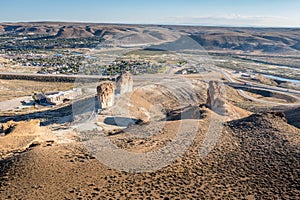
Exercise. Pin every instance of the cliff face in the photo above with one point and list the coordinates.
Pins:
(216, 98)
(124, 83)
(106, 94)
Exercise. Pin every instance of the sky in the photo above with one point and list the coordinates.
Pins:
(265, 13)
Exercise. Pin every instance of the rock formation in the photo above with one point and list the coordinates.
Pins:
(216, 98)
(106, 94)
(8, 127)
(124, 83)
(21, 128)
(41, 99)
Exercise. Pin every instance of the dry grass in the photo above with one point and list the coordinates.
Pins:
(10, 89)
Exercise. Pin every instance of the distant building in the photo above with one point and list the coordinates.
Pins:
(66, 96)
(245, 75)
(56, 98)
(183, 71)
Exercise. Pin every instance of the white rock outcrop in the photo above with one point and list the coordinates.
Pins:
(216, 98)
(124, 83)
(106, 95)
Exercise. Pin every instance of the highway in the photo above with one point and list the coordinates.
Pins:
(53, 77)
(251, 85)
(236, 83)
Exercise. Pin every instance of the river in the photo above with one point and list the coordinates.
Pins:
(282, 79)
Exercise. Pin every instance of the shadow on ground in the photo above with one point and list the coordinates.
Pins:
(57, 115)
(189, 112)
(293, 116)
(121, 121)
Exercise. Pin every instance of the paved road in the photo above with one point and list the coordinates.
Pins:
(52, 77)
(251, 85)
(14, 104)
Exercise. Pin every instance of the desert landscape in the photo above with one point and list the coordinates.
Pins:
(114, 111)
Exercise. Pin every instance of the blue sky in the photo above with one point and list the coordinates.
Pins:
(275, 13)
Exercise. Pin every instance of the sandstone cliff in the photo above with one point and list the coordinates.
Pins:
(216, 98)
(106, 94)
(124, 83)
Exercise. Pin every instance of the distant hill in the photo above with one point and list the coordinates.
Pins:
(123, 34)
(265, 40)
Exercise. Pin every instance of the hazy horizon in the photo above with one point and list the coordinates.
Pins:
(149, 24)
(228, 13)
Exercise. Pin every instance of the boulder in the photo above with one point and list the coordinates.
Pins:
(124, 83)
(8, 127)
(106, 95)
(216, 98)
(21, 127)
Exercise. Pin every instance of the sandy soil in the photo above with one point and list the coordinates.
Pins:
(239, 156)
(10, 89)
(246, 163)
